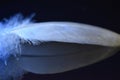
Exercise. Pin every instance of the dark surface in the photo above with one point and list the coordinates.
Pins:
(96, 12)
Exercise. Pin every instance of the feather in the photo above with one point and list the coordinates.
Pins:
(69, 32)
(49, 61)
(16, 31)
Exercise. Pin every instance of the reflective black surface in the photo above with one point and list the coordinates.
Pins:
(95, 12)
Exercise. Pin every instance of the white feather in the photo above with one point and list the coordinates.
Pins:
(68, 32)
(15, 29)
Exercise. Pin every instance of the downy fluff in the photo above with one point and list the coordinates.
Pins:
(10, 46)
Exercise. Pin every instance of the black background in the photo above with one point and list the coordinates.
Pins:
(103, 13)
